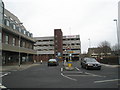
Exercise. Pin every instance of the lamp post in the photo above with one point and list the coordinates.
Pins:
(65, 54)
(118, 39)
(19, 63)
(89, 43)
(19, 51)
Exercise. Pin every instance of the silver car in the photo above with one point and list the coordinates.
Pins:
(90, 63)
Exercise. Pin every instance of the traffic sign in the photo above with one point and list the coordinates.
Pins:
(70, 55)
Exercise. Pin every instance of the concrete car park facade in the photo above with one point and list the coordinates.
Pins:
(48, 47)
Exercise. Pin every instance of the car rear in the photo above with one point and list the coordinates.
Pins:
(52, 62)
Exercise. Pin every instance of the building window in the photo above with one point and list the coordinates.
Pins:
(23, 44)
(14, 27)
(78, 43)
(19, 29)
(7, 23)
(31, 35)
(0, 37)
(24, 32)
(13, 41)
(6, 39)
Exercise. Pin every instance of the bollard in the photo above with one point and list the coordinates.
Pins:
(70, 64)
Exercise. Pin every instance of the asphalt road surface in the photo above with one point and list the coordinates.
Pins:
(42, 76)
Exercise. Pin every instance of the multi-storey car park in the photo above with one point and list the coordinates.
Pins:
(17, 43)
(46, 47)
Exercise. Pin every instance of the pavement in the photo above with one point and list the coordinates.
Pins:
(17, 67)
(113, 66)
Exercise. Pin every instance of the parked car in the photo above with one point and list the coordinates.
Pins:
(90, 63)
(52, 62)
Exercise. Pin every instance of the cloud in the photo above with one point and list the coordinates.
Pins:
(89, 18)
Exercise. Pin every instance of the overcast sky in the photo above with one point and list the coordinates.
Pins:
(88, 18)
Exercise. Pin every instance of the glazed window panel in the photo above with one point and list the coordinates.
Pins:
(14, 27)
(0, 37)
(13, 41)
(7, 23)
(6, 39)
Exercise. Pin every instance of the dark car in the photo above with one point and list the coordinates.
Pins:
(52, 62)
(90, 63)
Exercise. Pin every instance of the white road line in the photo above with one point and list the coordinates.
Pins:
(86, 75)
(6, 73)
(77, 75)
(106, 81)
(61, 69)
(94, 74)
(1, 86)
(77, 68)
(68, 77)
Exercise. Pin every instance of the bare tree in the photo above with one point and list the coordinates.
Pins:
(104, 43)
(104, 47)
(115, 47)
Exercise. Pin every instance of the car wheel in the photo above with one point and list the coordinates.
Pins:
(81, 66)
(99, 69)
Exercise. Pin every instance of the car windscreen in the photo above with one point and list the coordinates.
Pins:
(52, 60)
(91, 60)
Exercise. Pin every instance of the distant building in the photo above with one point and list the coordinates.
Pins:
(17, 43)
(58, 46)
(97, 52)
(71, 45)
(58, 43)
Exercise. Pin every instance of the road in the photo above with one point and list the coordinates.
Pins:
(42, 76)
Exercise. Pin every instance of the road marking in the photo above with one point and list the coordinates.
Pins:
(1, 86)
(68, 77)
(61, 69)
(94, 74)
(77, 68)
(6, 73)
(86, 75)
(106, 81)
(77, 75)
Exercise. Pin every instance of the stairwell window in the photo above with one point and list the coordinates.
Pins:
(13, 42)
(0, 37)
(6, 39)
(8, 23)
(14, 27)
